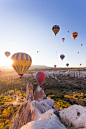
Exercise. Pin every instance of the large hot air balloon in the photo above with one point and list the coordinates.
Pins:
(63, 39)
(74, 35)
(62, 56)
(40, 76)
(67, 64)
(81, 44)
(68, 31)
(21, 62)
(55, 66)
(7, 54)
(55, 29)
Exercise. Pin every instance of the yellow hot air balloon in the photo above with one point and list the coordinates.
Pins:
(21, 62)
(55, 29)
(7, 54)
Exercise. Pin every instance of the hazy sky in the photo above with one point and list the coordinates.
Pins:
(26, 26)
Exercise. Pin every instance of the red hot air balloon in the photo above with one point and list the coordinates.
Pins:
(81, 44)
(40, 76)
(55, 66)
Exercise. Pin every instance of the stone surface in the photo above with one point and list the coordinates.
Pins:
(39, 94)
(49, 123)
(29, 91)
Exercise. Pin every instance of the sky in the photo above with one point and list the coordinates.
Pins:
(26, 26)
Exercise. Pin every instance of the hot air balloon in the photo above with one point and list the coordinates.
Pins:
(37, 51)
(21, 62)
(67, 64)
(78, 52)
(55, 66)
(68, 31)
(40, 76)
(80, 64)
(55, 29)
(56, 51)
(63, 39)
(62, 56)
(0, 72)
(81, 44)
(74, 35)
(7, 54)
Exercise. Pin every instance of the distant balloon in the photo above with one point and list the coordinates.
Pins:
(55, 66)
(81, 44)
(0, 72)
(78, 52)
(67, 64)
(80, 64)
(7, 54)
(62, 56)
(63, 39)
(74, 35)
(55, 29)
(21, 62)
(68, 31)
(40, 76)
(56, 51)
(37, 51)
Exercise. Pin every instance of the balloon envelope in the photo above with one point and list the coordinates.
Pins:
(62, 56)
(68, 31)
(55, 66)
(67, 64)
(55, 29)
(21, 62)
(7, 54)
(81, 44)
(74, 35)
(40, 76)
(63, 39)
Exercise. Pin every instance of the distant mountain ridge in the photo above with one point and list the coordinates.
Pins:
(32, 67)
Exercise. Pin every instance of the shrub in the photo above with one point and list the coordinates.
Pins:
(11, 92)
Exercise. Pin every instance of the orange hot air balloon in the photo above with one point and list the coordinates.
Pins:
(74, 35)
(68, 31)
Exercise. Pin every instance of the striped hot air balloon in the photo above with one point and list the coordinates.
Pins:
(40, 76)
(74, 35)
(21, 62)
(55, 29)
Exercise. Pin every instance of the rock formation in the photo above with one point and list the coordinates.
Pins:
(29, 91)
(39, 94)
(38, 113)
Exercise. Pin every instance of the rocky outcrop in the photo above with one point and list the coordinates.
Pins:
(50, 123)
(75, 115)
(39, 94)
(29, 91)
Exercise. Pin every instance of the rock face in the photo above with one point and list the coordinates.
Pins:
(74, 114)
(29, 91)
(49, 123)
(39, 94)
